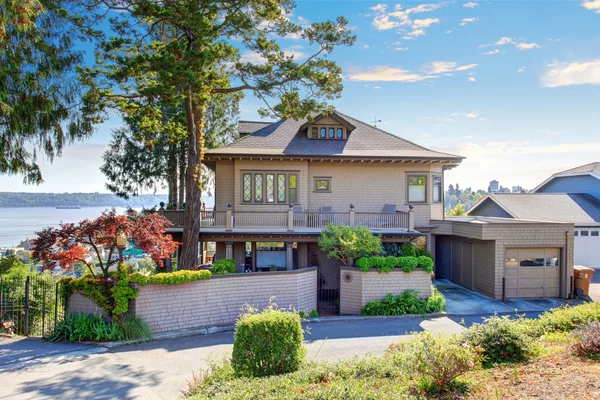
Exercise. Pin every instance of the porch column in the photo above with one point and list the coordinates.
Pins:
(228, 249)
(253, 252)
(289, 256)
(411, 218)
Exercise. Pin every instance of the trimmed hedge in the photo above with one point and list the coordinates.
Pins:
(224, 266)
(268, 343)
(170, 278)
(386, 264)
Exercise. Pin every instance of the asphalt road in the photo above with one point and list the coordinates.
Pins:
(32, 369)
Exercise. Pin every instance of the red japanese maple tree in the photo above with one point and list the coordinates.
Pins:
(86, 241)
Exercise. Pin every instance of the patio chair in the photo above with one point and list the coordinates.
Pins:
(385, 220)
(326, 215)
(299, 216)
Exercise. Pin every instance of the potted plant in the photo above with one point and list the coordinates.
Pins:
(273, 267)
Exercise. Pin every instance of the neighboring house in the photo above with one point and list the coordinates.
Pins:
(583, 179)
(569, 196)
(281, 183)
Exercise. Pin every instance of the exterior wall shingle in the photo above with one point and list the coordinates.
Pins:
(357, 288)
(217, 301)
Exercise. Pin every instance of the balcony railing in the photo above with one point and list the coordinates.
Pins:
(290, 220)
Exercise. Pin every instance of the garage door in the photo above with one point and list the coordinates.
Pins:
(532, 272)
(587, 247)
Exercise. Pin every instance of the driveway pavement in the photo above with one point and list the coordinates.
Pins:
(595, 286)
(461, 301)
(161, 369)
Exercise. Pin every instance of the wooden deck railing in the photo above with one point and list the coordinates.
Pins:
(290, 220)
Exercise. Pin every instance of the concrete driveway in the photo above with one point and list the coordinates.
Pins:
(595, 286)
(462, 301)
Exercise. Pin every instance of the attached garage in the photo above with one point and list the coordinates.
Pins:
(505, 258)
(532, 272)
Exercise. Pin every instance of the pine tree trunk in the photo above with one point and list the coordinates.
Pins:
(191, 228)
(182, 151)
(172, 173)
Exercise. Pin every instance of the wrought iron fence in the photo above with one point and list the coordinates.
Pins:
(328, 292)
(30, 306)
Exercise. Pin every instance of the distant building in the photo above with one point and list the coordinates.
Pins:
(518, 189)
(494, 187)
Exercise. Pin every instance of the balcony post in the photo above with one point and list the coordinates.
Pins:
(291, 218)
(352, 218)
(228, 218)
(161, 210)
(411, 218)
(289, 256)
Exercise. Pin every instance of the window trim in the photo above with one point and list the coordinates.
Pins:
(441, 188)
(416, 173)
(327, 127)
(322, 178)
(276, 174)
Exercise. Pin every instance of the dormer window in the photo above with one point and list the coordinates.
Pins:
(326, 132)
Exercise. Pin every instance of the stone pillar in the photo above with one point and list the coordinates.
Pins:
(411, 218)
(352, 216)
(228, 249)
(289, 256)
(291, 218)
(228, 218)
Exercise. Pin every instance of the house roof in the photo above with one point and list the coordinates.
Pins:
(285, 138)
(559, 207)
(592, 169)
(246, 127)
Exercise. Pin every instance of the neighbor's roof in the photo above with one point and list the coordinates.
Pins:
(558, 207)
(592, 169)
(284, 138)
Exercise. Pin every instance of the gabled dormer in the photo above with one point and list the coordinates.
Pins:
(329, 127)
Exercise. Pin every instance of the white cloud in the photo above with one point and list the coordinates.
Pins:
(593, 5)
(400, 48)
(387, 74)
(522, 69)
(491, 52)
(471, 79)
(470, 4)
(549, 132)
(528, 46)
(255, 58)
(448, 31)
(401, 18)
(383, 73)
(466, 21)
(503, 41)
(376, 87)
(440, 67)
(470, 115)
(577, 73)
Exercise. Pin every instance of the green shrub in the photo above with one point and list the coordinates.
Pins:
(122, 292)
(345, 243)
(565, 319)
(437, 360)
(364, 264)
(405, 303)
(132, 328)
(313, 314)
(588, 344)
(170, 278)
(426, 263)
(268, 343)
(408, 250)
(408, 263)
(502, 339)
(224, 266)
(83, 328)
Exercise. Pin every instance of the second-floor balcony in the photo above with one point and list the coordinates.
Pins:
(296, 219)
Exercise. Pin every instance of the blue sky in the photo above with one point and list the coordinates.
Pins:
(512, 85)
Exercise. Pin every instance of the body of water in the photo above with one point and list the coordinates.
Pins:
(18, 224)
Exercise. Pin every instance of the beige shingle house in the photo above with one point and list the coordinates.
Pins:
(282, 182)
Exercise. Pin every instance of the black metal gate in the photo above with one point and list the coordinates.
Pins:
(30, 306)
(328, 292)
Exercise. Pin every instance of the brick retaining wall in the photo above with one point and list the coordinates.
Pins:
(357, 288)
(80, 304)
(217, 301)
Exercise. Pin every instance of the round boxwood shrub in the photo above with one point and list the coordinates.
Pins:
(268, 343)
(426, 263)
(224, 266)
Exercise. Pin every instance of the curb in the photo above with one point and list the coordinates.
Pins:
(350, 318)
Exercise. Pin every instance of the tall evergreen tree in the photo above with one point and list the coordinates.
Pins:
(138, 74)
(41, 109)
(133, 166)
